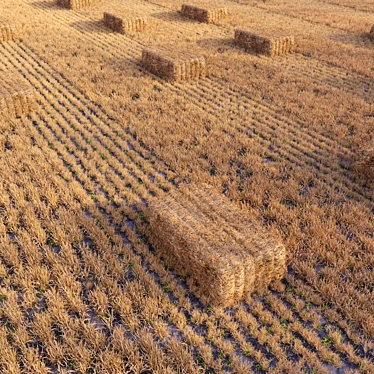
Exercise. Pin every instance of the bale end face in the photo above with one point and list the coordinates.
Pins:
(125, 25)
(75, 4)
(204, 15)
(17, 98)
(8, 33)
(174, 68)
(266, 46)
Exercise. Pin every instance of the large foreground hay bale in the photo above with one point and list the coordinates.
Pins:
(371, 33)
(76, 4)
(365, 163)
(16, 97)
(262, 45)
(207, 15)
(174, 66)
(224, 253)
(124, 25)
(7, 32)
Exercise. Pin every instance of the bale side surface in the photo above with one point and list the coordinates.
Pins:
(76, 4)
(365, 163)
(217, 240)
(7, 33)
(17, 98)
(268, 253)
(177, 68)
(124, 25)
(262, 45)
(210, 275)
(203, 15)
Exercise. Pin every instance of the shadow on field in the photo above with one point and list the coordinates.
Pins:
(91, 26)
(359, 40)
(173, 16)
(45, 5)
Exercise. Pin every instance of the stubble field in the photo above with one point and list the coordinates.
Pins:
(81, 289)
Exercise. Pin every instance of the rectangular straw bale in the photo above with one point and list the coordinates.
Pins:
(76, 4)
(365, 163)
(16, 97)
(371, 33)
(266, 249)
(124, 25)
(7, 32)
(210, 275)
(262, 45)
(174, 66)
(211, 15)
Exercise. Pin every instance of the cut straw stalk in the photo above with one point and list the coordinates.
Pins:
(267, 46)
(211, 15)
(173, 66)
(76, 4)
(7, 33)
(124, 25)
(197, 232)
(16, 97)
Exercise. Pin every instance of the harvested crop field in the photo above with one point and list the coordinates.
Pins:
(287, 140)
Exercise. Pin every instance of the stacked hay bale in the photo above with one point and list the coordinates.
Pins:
(125, 25)
(174, 66)
(371, 33)
(262, 45)
(224, 253)
(210, 15)
(365, 163)
(7, 32)
(16, 97)
(76, 4)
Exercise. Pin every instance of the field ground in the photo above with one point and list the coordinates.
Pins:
(80, 288)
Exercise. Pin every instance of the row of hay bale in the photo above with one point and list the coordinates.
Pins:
(17, 98)
(225, 254)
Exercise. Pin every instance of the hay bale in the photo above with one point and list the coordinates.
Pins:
(365, 163)
(16, 97)
(225, 254)
(76, 4)
(210, 15)
(174, 66)
(262, 45)
(371, 33)
(7, 32)
(124, 25)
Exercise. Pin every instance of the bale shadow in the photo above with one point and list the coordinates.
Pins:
(45, 4)
(91, 26)
(173, 16)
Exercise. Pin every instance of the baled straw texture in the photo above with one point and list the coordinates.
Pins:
(124, 25)
(16, 97)
(174, 66)
(76, 4)
(7, 32)
(210, 275)
(371, 33)
(267, 46)
(211, 15)
(365, 163)
(215, 228)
